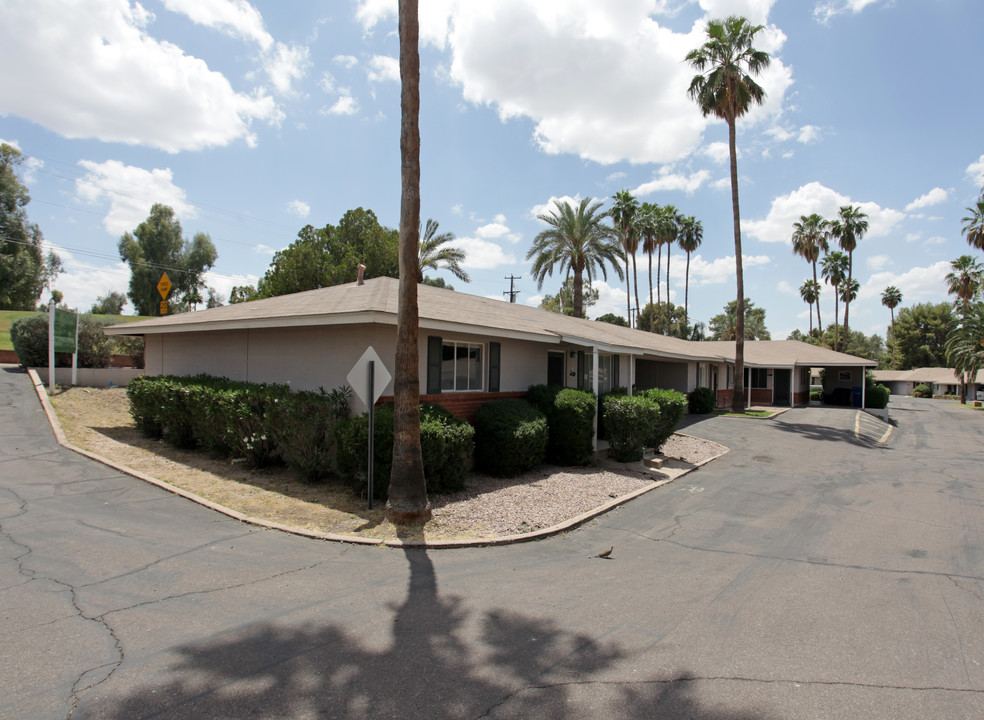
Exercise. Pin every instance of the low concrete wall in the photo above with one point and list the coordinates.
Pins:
(92, 377)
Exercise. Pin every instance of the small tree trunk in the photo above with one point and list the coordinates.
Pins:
(819, 322)
(578, 293)
(407, 503)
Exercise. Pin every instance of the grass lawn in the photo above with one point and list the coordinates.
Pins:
(7, 318)
(749, 413)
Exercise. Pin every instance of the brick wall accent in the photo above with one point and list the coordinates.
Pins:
(8, 356)
(801, 398)
(461, 405)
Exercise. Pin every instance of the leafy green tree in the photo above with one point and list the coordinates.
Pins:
(671, 316)
(964, 280)
(920, 335)
(810, 292)
(110, 304)
(725, 87)
(436, 282)
(973, 228)
(576, 240)
(810, 238)
(612, 319)
(892, 298)
(243, 293)
(157, 246)
(623, 214)
(965, 346)
(563, 301)
(834, 270)
(432, 255)
(321, 257)
(849, 227)
(25, 271)
(725, 326)
(691, 235)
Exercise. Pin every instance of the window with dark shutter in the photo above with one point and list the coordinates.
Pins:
(495, 352)
(434, 365)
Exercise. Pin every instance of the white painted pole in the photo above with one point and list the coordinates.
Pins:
(594, 388)
(75, 355)
(51, 346)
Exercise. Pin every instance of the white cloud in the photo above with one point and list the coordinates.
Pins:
(755, 10)
(223, 284)
(917, 284)
(975, 171)
(68, 66)
(327, 82)
(721, 269)
(234, 17)
(383, 68)
(286, 63)
(130, 191)
(492, 230)
(718, 152)
(933, 197)
(616, 176)
(345, 105)
(533, 60)
(553, 204)
(669, 180)
(482, 254)
(777, 226)
(457, 209)
(779, 133)
(346, 61)
(808, 134)
(299, 208)
(82, 282)
(826, 9)
(879, 262)
(264, 249)
(936, 240)
(787, 289)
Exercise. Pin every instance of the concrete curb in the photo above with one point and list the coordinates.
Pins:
(569, 524)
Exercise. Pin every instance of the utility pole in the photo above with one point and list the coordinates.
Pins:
(512, 293)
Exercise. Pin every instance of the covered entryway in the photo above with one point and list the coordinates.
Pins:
(782, 387)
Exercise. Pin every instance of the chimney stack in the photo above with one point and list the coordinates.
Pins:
(362, 271)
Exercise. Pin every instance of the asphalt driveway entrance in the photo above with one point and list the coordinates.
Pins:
(811, 572)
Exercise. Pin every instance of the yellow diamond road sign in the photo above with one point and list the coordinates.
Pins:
(164, 286)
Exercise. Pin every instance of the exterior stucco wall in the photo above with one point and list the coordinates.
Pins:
(680, 376)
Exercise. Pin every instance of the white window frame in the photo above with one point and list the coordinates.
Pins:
(455, 344)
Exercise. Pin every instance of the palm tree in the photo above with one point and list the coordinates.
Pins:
(973, 227)
(577, 241)
(432, 255)
(669, 229)
(849, 227)
(691, 235)
(965, 347)
(810, 292)
(809, 239)
(833, 267)
(892, 298)
(646, 223)
(623, 214)
(965, 280)
(727, 90)
(407, 502)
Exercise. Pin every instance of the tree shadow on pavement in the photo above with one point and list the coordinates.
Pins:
(518, 666)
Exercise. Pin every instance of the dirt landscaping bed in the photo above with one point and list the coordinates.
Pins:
(98, 420)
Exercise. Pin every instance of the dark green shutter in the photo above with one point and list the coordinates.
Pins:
(580, 370)
(615, 364)
(495, 353)
(434, 365)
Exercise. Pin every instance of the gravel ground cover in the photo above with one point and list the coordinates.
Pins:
(98, 420)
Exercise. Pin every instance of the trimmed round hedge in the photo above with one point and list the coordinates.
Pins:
(510, 437)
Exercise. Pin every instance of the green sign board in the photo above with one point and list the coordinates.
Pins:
(64, 331)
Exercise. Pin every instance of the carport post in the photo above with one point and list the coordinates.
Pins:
(864, 382)
(594, 388)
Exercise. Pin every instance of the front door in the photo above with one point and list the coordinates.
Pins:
(555, 368)
(780, 387)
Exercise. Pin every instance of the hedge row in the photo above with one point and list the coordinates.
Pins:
(570, 418)
(646, 419)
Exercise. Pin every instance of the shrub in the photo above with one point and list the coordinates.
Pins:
(243, 411)
(143, 394)
(570, 422)
(922, 391)
(510, 437)
(631, 421)
(303, 427)
(816, 395)
(701, 401)
(95, 347)
(352, 441)
(447, 446)
(131, 346)
(29, 335)
(876, 397)
(672, 405)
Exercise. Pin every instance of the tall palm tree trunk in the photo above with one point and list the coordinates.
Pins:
(819, 323)
(578, 300)
(659, 279)
(836, 314)
(737, 401)
(894, 365)
(652, 309)
(847, 302)
(407, 503)
(635, 276)
(669, 314)
(628, 289)
(686, 294)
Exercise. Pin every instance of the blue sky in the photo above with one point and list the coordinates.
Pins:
(253, 119)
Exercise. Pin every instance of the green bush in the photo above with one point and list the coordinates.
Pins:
(510, 437)
(303, 426)
(672, 405)
(143, 394)
(29, 336)
(701, 401)
(447, 445)
(570, 422)
(922, 391)
(131, 346)
(631, 421)
(95, 347)
(816, 395)
(876, 397)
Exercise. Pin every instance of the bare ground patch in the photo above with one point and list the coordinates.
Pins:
(98, 420)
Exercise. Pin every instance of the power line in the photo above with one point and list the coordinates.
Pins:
(512, 293)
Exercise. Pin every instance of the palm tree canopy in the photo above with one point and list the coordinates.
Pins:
(691, 234)
(646, 222)
(848, 290)
(891, 297)
(667, 224)
(973, 227)
(623, 214)
(810, 237)
(833, 267)
(576, 240)
(810, 291)
(433, 256)
(849, 227)
(727, 89)
(965, 344)
(965, 279)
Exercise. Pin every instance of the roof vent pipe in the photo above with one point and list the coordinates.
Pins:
(362, 271)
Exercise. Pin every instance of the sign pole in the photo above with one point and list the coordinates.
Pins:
(372, 433)
(51, 346)
(75, 355)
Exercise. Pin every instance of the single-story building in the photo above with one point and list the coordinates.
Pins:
(942, 381)
(472, 349)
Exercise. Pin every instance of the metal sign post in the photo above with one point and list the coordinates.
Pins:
(372, 424)
(370, 376)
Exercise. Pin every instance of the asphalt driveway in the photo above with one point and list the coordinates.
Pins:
(810, 573)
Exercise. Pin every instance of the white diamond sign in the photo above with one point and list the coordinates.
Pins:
(358, 377)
